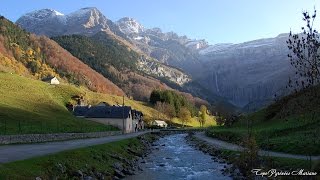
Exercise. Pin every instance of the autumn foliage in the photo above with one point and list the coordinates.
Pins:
(25, 53)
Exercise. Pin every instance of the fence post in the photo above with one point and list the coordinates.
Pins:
(57, 125)
(5, 126)
(19, 126)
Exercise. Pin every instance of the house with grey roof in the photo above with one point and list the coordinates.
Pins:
(118, 116)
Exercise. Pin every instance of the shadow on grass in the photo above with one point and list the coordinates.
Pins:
(19, 121)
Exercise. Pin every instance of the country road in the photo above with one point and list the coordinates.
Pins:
(233, 147)
(9, 153)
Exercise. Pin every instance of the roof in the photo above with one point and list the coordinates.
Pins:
(49, 78)
(108, 112)
(103, 104)
(80, 110)
(160, 122)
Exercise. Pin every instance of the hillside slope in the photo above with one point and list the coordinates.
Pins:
(41, 108)
(43, 57)
(114, 61)
(291, 125)
(31, 106)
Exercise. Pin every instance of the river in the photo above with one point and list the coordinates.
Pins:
(173, 158)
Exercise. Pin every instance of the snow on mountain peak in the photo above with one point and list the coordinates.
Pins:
(43, 14)
(197, 44)
(83, 12)
(129, 25)
(88, 17)
(58, 13)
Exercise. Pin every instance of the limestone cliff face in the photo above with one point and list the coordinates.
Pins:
(159, 70)
(248, 72)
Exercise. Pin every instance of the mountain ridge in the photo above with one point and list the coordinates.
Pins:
(229, 66)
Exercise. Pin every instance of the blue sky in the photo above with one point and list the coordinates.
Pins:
(223, 21)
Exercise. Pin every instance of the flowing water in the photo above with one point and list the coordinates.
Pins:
(174, 159)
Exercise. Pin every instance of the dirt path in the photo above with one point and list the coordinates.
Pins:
(9, 153)
(229, 146)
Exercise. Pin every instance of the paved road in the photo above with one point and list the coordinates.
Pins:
(9, 153)
(225, 145)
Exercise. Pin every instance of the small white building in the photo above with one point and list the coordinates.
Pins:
(159, 123)
(52, 80)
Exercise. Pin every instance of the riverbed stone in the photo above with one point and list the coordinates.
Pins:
(115, 178)
(118, 166)
(119, 173)
(99, 176)
(128, 171)
(78, 173)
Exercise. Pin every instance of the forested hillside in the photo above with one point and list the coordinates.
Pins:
(100, 56)
(114, 61)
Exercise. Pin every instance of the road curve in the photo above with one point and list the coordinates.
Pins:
(10, 153)
(233, 147)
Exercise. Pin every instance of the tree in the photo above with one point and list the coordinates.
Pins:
(304, 56)
(155, 96)
(220, 120)
(169, 111)
(203, 115)
(159, 107)
(184, 115)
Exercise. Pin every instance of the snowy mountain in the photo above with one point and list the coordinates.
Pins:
(243, 73)
(90, 21)
(248, 72)
(166, 47)
(129, 25)
(43, 22)
(255, 45)
(86, 21)
(197, 45)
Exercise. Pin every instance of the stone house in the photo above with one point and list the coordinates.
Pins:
(120, 117)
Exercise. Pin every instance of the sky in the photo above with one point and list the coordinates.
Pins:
(217, 21)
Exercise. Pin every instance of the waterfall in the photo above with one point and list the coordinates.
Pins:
(217, 86)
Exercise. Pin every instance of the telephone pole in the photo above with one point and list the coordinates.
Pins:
(123, 128)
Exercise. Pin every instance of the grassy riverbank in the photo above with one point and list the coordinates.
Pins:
(291, 125)
(296, 134)
(245, 161)
(91, 161)
(275, 162)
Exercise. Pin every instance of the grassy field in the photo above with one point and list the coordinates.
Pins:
(276, 162)
(94, 158)
(32, 106)
(296, 133)
(195, 123)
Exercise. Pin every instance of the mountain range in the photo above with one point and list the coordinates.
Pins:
(247, 74)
